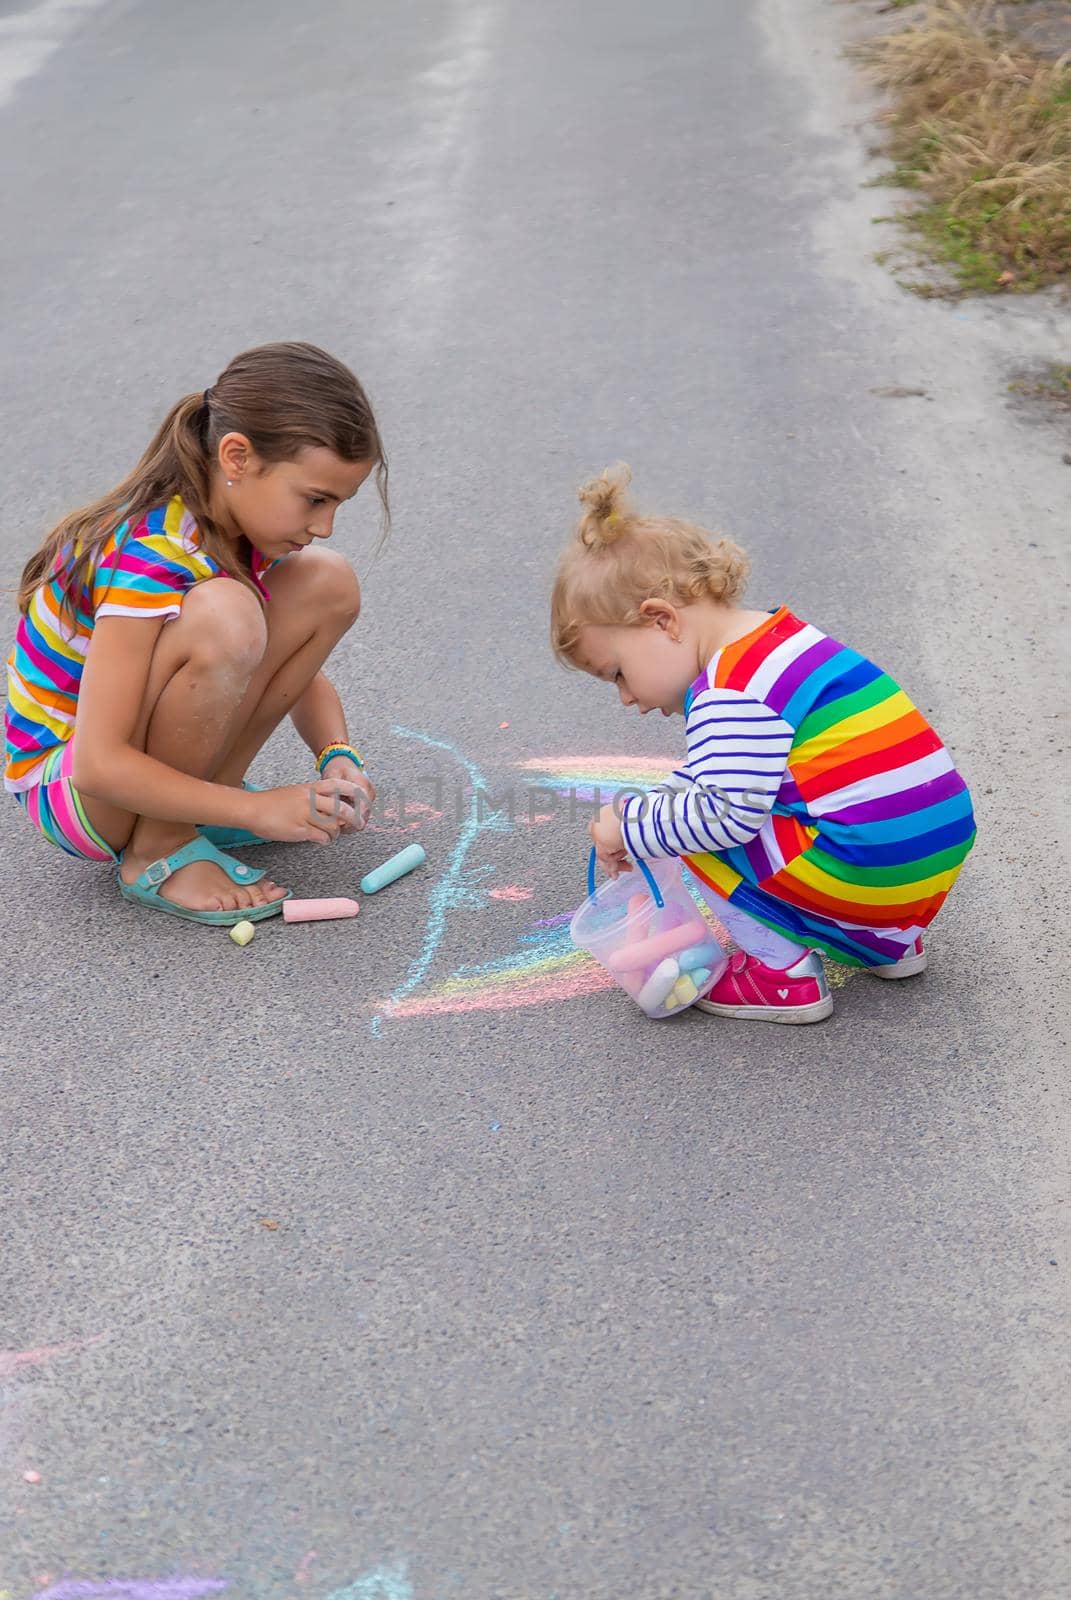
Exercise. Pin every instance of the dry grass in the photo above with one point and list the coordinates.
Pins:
(1049, 384)
(981, 126)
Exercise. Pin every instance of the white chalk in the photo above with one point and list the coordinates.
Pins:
(656, 990)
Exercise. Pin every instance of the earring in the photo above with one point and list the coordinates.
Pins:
(230, 483)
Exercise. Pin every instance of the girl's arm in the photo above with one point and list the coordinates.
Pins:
(737, 753)
(107, 764)
(320, 720)
(318, 715)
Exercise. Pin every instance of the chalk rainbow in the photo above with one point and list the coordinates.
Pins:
(547, 967)
(582, 775)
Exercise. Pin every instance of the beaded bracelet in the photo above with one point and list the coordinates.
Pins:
(338, 748)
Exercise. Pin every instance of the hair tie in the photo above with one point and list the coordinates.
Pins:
(206, 397)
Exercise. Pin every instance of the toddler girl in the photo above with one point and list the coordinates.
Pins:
(168, 628)
(817, 807)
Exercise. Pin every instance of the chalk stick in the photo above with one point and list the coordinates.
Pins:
(242, 932)
(658, 986)
(684, 992)
(638, 902)
(700, 955)
(643, 951)
(700, 975)
(405, 861)
(318, 910)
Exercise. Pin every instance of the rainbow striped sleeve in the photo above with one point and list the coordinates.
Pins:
(147, 570)
(141, 572)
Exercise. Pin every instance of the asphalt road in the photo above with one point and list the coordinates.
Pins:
(470, 1298)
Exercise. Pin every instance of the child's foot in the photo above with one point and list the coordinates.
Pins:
(201, 886)
(752, 992)
(907, 966)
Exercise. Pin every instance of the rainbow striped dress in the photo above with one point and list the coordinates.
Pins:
(816, 797)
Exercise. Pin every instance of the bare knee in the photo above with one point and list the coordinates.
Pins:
(223, 626)
(331, 587)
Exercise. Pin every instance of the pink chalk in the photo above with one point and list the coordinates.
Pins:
(318, 910)
(637, 903)
(644, 952)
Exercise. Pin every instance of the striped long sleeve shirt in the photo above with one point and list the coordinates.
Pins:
(721, 797)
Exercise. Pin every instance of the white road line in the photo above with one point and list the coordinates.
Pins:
(431, 168)
(29, 37)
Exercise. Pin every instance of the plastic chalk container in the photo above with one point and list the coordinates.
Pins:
(647, 931)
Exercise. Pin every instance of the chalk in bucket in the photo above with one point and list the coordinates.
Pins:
(656, 945)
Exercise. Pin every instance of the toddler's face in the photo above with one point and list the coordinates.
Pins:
(283, 506)
(648, 666)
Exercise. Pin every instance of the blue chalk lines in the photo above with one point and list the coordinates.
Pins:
(384, 1583)
(456, 887)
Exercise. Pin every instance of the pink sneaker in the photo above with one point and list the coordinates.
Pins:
(753, 992)
(907, 966)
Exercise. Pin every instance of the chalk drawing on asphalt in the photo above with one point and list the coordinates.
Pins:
(544, 967)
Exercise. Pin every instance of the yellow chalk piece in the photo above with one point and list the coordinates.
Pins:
(242, 932)
(684, 992)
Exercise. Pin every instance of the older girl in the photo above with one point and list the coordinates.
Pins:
(168, 628)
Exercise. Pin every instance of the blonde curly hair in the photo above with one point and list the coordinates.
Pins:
(618, 558)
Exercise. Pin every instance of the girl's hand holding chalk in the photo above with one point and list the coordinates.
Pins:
(304, 813)
(345, 770)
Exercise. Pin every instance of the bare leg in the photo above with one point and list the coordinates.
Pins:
(201, 671)
(315, 599)
(218, 689)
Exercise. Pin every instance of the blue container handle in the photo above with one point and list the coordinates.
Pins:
(656, 892)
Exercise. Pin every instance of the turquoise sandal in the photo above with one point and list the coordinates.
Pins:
(145, 891)
(233, 838)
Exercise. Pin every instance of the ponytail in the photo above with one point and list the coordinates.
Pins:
(175, 462)
(282, 397)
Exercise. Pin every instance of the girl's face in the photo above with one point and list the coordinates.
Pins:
(282, 506)
(652, 665)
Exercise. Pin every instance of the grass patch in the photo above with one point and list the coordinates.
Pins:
(980, 126)
(1051, 385)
